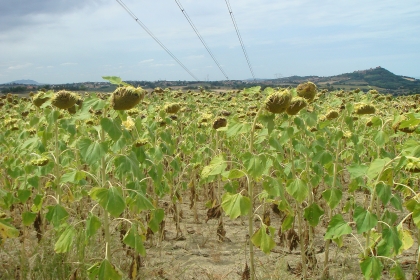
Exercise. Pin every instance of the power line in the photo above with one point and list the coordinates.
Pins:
(240, 38)
(154, 37)
(201, 38)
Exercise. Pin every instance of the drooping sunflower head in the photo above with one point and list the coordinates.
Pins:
(364, 109)
(40, 161)
(413, 166)
(172, 108)
(141, 142)
(126, 97)
(64, 99)
(219, 122)
(39, 99)
(332, 114)
(307, 90)
(297, 104)
(278, 101)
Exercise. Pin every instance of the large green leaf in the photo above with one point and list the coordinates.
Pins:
(255, 164)
(390, 243)
(233, 174)
(56, 215)
(134, 240)
(125, 165)
(92, 225)
(235, 129)
(357, 170)
(107, 271)
(312, 213)
(65, 240)
(156, 217)
(264, 240)
(337, 227)
(217, 166)
(28, 218)
(92, 152)
(115, 80)
(7, 230)
(298, 189)
(371, 268)
(236, 205)
(112, 128)
(332, 197)
(376, 167)
(414, 207)
(273, 187)
(397, 272)
(381, 138)
(287, 222)
(72, 177)
(140, 202)
(323, 156)
(384, 193)
(364, 219)
(110, 199)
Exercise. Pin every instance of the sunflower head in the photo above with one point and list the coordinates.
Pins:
(307, 90)
(331, 114)
(39, 99)
(126, 97)
(219, 122)
(64, 99)
(413, 166)
(40, 161)
(172, 108)
(297, 104)
(364, 109)
(278, 101)
(141, 142)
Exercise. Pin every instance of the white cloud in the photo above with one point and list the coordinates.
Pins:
(68, 63)
(163, 65)
(147, 60)
(20, 66)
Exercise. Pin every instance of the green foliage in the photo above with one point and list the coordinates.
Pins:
(313, 213)
(371, 268)
(134, 240)
(337, 228)
(110, 199)
(264, 240)
(235, 205)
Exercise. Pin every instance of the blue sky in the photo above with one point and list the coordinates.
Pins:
(65, 41)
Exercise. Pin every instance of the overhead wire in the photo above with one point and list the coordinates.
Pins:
(154, 37)
(200, 37)
(240, 38)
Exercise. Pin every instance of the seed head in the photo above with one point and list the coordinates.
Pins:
(39, 99)
(297, 104)
(278, 101)
(413, 166)
(332, 114)
(125, 98)
(259, 126)
(307, 90)
(172, 108)
(219, 122)
(364, 109)
(140, 142)
(40, 161)
(64, 99)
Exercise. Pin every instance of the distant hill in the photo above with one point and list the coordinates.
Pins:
(378, 77)
(25, 82)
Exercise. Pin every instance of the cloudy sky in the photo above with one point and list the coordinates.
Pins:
(65, 41)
